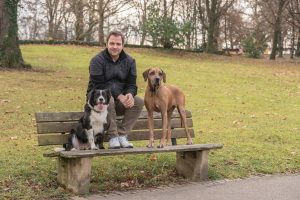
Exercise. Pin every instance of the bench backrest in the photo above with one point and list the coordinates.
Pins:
(53, 127)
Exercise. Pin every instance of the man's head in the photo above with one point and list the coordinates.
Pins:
(115, 44)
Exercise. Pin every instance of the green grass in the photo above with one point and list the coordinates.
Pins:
(250, 106)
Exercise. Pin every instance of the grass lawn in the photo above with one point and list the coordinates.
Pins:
(250, 106)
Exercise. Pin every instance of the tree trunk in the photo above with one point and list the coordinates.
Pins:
(225, 32)
(51, 13)
(211, 48)
(204, 44)
(143, 38)
(298, 44)
(212, 23)
(275, 43)
(280, 45)
(79, 23)
(10, 53)
(101, 23)
(277, 30)
(144, 19)
(101, 32)
(293, 41)
(91, 21)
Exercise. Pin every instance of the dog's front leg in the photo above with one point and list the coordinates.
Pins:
(164, 116)
(151, 127)
(90, 134)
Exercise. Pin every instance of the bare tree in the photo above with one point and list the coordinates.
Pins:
(233, 27)
(77, 8)
(55, 15)
(188, 13)
(294, 11)
(142, 13)
(31, 21)
(106, 9)
(210, 12)
(92, 22)
(273, 12)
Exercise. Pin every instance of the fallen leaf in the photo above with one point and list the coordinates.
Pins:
(124, 185)
(14, 138)
(153, 157)
(10, 111)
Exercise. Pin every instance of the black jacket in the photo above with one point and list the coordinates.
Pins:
(119, 76)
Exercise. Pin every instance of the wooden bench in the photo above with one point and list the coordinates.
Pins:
(74, 167)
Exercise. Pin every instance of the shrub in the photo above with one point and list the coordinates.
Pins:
(252, 47)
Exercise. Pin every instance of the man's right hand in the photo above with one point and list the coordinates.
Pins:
(126, 100)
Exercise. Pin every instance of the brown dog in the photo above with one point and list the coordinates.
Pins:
(164, 99)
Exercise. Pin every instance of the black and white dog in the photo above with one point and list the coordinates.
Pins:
(90, 129)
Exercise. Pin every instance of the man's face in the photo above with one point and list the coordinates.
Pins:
(114, 46)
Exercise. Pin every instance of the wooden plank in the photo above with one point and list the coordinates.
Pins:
(57, 116)
(65, 127)
(113, 152)
(56, 139)
(52, 139)
(74, 116)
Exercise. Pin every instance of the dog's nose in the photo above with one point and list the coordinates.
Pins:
(157, 80)
(101, 100)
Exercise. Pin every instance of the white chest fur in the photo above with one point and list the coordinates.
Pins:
(98, 120)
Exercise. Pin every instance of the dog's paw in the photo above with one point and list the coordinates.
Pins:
(150, 146)
(101, 147)
(189, 142)
(94, 148)
(161, 145)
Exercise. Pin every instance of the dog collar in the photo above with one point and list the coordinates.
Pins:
(154, 89)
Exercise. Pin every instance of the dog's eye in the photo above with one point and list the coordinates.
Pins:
(160, 74)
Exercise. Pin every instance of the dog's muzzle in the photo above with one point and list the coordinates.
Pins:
(100, 106)
(157, 80)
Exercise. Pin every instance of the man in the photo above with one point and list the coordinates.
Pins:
(113, 68)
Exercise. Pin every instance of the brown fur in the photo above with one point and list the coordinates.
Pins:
(163, 98)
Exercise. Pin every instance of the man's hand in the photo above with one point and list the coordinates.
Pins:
(127, 100)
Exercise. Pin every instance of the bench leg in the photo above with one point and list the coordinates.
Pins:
(193, 165)
(75, 174)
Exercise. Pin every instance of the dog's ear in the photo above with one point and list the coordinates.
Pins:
(145, 74)
(164, 76)
(108, 94)
(90, 99)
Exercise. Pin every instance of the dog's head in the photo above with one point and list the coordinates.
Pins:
(99, 99)
(154, 76)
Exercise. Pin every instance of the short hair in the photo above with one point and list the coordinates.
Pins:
(115, 33)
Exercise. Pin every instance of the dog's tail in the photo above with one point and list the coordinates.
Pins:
(59, 149)
(68, 145)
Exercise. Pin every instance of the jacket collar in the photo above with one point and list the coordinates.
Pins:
(122, 55)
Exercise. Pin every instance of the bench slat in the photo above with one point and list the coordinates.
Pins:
(74, 116)
(65, 127)
(56, 139)
(111, 152)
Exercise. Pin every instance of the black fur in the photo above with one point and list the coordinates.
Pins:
(84, 123)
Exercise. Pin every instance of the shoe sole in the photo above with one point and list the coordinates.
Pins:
(114, 147)
(128, 147)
